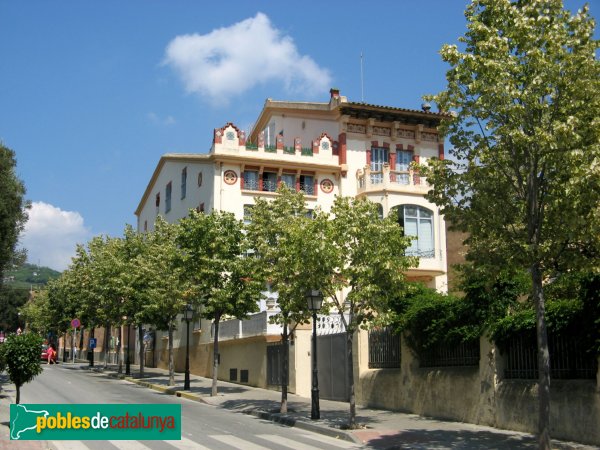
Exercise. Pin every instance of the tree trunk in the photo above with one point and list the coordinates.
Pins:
(350, 362)
(171, 365)
(285, 368)
(543, 359)
(141, 350)
(215, 371)
(18, 400)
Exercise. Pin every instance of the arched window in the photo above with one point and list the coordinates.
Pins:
(417, 221)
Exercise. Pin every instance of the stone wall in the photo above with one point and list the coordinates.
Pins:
(478, 395)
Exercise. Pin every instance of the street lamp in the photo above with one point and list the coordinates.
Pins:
(188, 314)
(127, 362)
(314, 300)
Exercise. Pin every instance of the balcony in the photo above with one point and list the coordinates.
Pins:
(255, 325)
(370, 181)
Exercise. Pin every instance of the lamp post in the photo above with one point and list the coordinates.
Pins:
(127, 363)
(314, 300)
(188, 314)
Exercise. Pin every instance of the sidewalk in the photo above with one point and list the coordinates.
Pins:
(379, 429)
(7, 396)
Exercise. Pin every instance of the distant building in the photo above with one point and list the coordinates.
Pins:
(323, 149)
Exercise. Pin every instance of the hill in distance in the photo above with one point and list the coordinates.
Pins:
(29, 276)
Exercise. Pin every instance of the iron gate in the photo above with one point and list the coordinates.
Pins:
(274, 361)
(333, 367)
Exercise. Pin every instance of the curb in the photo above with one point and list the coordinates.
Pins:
(313, 427)
(283, 419)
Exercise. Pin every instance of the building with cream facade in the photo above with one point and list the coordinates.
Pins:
(324, 149)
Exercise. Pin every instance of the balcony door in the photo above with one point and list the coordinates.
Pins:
(379, 157)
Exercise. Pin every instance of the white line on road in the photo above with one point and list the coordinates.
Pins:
(236, 442)
(331, 441)
(283, 441)
(68, 445)
(187, 444)
(130, 445)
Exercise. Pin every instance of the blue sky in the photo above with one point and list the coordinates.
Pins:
(93, 93)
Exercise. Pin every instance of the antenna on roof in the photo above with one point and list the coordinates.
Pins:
(362, 82)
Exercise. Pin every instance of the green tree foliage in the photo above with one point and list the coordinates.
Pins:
(158, 270)
(367, 262)
(13, 208)
(289, 253)
(524, 180)
(20, 356)
(10, 301)
(221, 281)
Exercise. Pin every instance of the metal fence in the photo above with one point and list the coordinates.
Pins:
(460, 355)
(568, 359)
(384, 349)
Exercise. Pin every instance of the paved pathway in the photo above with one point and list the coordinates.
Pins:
(379, 429)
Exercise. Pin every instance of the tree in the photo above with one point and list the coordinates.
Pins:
(13, 208)
(20, 355)
(368, 263)
(288, 254)
(162, 298)
(524, 180)
(220, 279)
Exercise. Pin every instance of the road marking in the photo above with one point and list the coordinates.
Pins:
(187, 444)
(280, 440)
(129, 445)
(331, 441)
(68, 445)
(236, 442)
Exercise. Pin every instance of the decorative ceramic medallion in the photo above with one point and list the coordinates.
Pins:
(230, 177)
(230, 135)
(327, 186)
(325, 145)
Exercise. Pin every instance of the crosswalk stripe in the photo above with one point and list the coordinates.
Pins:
(331, 441)
(130, 445)
(187, 444)
(280, 440)
(236, 442)
(68, 445)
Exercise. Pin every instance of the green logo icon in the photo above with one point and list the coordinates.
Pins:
(95, 422)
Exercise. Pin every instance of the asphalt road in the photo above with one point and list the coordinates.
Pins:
(203, 426)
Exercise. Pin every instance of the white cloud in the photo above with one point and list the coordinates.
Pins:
(51, 235)
(229, 61)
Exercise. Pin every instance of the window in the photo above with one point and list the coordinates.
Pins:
(289, 180)
(269, 181)
(270, 138)
(251, 180)
(403, 160)
(183, 182)
(157, 202)
(168, 198)
(248, 214)
(307, 184)
(379, 156)
(417, 221)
